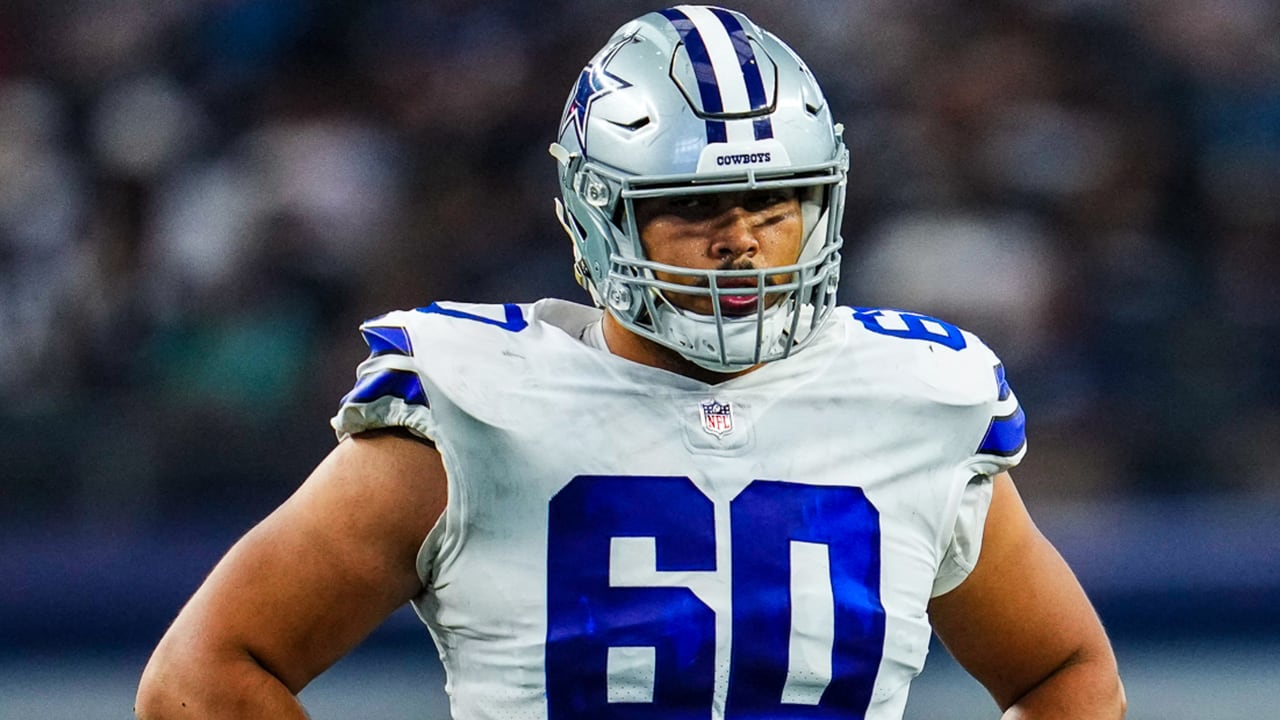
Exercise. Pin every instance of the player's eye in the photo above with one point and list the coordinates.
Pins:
(690, 202)
(692, 207)
(765, 199)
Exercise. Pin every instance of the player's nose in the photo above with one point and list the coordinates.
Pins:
(734, 235)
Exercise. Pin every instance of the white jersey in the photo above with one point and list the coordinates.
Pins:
(621, 541)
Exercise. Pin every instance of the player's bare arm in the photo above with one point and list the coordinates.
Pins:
(1022, 625)
(302, 588)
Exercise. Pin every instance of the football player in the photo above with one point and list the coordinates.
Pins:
(715, 494)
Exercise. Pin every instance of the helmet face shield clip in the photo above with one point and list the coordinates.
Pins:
(595, 191)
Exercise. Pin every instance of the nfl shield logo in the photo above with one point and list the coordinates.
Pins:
(717, 417)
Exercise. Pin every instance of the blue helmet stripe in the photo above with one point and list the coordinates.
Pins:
(1005, 435)
(403, 384)
(708, 87)
(750, 70)
(387, 341)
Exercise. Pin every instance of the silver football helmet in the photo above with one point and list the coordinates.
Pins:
(692, 100)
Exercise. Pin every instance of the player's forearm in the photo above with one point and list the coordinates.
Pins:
(1084, 690)
(181, 688)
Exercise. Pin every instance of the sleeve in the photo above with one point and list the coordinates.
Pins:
(389, 389)
(1003, 446)
(1005, 441)
(966, 539)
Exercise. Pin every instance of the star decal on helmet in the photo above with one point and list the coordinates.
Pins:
(594, 83)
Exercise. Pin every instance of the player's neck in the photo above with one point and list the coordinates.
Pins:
(627, 345)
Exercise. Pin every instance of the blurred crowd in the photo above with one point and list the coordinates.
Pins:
(200, 199)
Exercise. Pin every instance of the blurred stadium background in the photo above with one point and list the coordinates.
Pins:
(200, 199)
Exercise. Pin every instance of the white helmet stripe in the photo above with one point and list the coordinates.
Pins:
(729, 77)
(728, 73)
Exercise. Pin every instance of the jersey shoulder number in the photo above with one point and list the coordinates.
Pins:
(910, 326)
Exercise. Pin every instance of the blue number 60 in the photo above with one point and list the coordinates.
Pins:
(586, 616)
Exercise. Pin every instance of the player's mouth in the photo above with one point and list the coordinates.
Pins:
(743, 303)
(739, 304)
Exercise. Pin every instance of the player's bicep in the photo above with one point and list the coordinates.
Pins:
(1021, 615)
(322, 571)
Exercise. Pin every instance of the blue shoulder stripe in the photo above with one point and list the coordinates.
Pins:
(1002, 383)
(1005, 435)
(403, 384)
(387, 341)
(513, 319)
